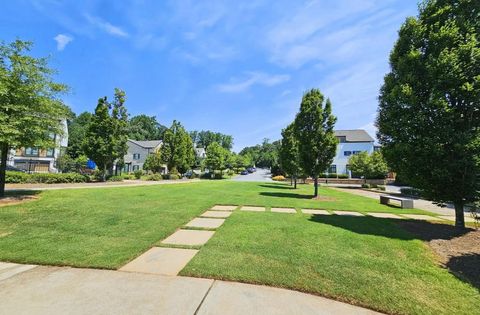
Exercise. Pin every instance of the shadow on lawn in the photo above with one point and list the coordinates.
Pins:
(409, 229)
(277, 186)
(286, 195)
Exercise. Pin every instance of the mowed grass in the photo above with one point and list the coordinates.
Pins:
(365, 261)
(107, 227)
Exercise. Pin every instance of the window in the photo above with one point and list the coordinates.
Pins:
(332, 169)
(136, 156)
(356, 152)
(50, 152)
(347, 153)
(31, 151)
(135, 168)
(342, 139)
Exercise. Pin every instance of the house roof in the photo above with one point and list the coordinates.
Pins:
(356, 135)
(150, 144)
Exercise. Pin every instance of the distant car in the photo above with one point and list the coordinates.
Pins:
(14, 169)
(244, 172)
(250, 170)
(254, 169)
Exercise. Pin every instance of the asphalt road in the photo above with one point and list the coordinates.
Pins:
(261, 175)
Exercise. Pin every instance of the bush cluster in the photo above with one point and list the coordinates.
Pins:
(138, 174)
(115, 178)
(154, 177)
(279, 178)
(333, 175)
(45, 178)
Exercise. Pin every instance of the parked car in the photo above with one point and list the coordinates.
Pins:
(250, 170)
(244, 172)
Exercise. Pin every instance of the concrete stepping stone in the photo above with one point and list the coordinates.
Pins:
(350, 213)
(205, 223)
(224, 208)
(161, 261)
(8, 270)
(283, 210)
(384, 215)
(216, 214)
(422, 217)
(252, 208)
(188, 237)
(315, 211)
(452, 218)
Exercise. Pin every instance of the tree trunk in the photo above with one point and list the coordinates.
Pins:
(459, 215)
(3, 167)
(104, 174)
(315, 183)
(295, 182)
(291, 180)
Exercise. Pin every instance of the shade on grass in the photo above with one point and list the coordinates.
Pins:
(362, 260)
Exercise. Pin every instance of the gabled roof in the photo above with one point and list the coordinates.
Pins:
(356, 135)
(150, 144)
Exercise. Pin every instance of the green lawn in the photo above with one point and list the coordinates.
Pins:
(366, 261)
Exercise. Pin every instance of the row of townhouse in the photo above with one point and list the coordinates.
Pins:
(38, 160)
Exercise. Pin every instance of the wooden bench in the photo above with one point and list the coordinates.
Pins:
(406, 203)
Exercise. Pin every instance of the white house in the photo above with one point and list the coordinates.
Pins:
(137, 153)
(201, 153)
(350, 142)
(40, 160)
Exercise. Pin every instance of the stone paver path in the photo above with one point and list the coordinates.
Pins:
(452, 218)
(161, 261)
(252, 208)
(283, 210)
(188, 237)
(216, 214)
(315, 211)
(205, 223)
(350, 213)
(422, 217)
(8, 270)
(224, 208)
(384, 215)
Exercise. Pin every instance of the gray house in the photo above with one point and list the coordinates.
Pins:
(137, 153)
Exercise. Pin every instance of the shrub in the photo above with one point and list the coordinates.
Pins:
(128, 176)
(138, 174)
(206, 176)
(366, 186)
(279, 178)
(173, 176)
(45, 178)
(115, 178)
(154, 177)
(342, 175)
(218, 176)
(230, 173)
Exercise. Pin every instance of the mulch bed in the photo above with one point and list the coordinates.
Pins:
(456, 250)
(13, 200)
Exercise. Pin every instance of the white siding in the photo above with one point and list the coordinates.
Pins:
(341, 160)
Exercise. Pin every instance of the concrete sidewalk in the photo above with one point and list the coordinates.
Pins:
(61, 290)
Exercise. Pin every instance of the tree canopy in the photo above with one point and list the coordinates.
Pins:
(368, 165)
(204, 138)
(263, 155)
(289, 154)
(106, 138)
(30, 106)
(317, 143)
(77, 129)
(143, 127)
(216, 157)
(429, 111)
(177, 150)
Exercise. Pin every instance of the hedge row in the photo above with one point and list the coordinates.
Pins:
(47, 178)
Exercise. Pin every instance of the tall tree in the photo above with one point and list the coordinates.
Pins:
(429, 111)
(289, 154)
(106, 137)
(177, 150)
(77, 129)
(317, 143)
(205, 137)
(143, 127)
(216, 157)
(30, 107)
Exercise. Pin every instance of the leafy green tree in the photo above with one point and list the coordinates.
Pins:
(177, 150)
(30, 107)
(143, 127)
(216, 157)
(317, 143)
(368, 165)
(429, 112)
(289, 154)
(77, 129)
(154, 163)
(67, 164)
(204, 138)
(264, 155)
(106, 137)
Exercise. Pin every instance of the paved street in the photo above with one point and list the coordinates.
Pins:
(261, 175)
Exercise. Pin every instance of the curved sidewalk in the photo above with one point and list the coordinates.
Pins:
(62, 290)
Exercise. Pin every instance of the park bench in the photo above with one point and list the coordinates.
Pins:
(406, 203)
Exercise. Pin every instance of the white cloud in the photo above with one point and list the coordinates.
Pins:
(259, 78)
(106, 26)
(62, 41)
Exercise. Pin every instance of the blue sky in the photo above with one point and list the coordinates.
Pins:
(237, 67)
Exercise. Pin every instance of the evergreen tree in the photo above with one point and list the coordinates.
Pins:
(177, 150)
(289, 154)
